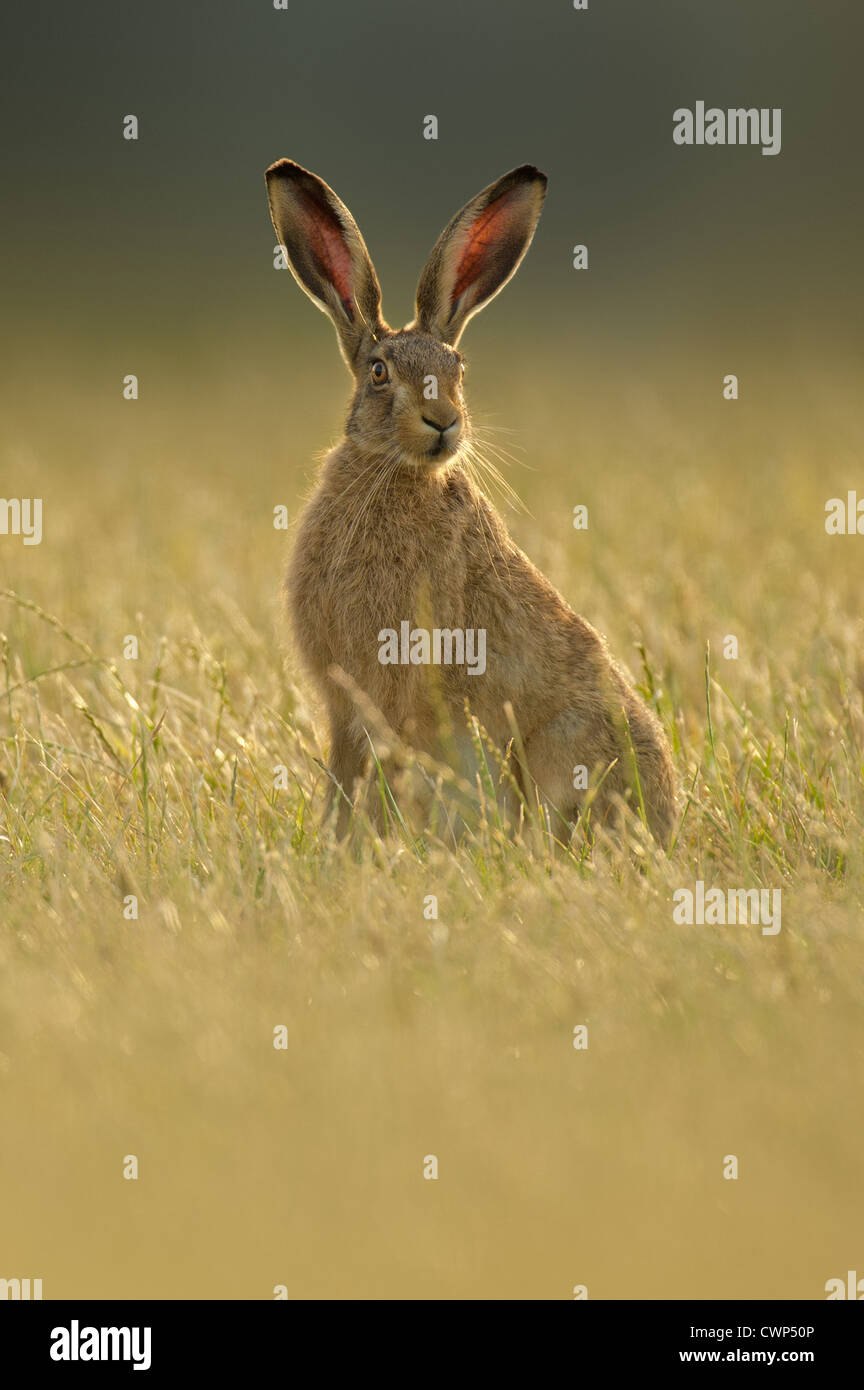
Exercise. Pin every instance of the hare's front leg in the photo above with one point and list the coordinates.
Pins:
(348, 757)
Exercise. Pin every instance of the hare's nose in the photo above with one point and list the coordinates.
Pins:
(442, 429)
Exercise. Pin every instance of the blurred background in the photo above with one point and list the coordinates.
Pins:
(155, 255)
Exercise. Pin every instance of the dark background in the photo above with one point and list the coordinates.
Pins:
(168, 238)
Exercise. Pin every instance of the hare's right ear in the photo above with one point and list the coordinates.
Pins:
(326, 254)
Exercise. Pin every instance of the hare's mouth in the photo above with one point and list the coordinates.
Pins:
(432, 453)
(442, 448)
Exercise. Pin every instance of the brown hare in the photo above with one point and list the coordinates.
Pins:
(397, 534)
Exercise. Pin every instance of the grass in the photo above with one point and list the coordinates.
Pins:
(408, 1034)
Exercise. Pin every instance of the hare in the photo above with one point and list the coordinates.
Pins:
(397, 532)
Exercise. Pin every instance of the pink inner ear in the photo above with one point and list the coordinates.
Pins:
(485, 232)
(326, 240)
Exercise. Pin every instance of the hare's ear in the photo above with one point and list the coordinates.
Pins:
(477, 253)
(326, 253)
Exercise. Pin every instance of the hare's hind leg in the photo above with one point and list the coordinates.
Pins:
(649, 748)
(580, 759)
(572, 760)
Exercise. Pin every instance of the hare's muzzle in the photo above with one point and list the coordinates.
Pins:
(443, 438)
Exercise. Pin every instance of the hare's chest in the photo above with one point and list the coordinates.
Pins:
(381, 579)
(357, 575)
(397, 579)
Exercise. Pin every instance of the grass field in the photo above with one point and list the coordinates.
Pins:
(406, 1037)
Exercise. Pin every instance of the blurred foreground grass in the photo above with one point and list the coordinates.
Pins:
(406, 1036)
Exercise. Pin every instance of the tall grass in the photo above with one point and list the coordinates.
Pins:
(410, 1033)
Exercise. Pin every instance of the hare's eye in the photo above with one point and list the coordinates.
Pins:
(380, 373)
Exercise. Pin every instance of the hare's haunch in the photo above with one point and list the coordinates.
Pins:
(401, 562)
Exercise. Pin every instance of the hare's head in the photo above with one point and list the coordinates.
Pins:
(408, 401)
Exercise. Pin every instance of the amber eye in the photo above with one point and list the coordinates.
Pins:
(380, 373)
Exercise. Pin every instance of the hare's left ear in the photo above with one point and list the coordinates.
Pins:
(478, 252)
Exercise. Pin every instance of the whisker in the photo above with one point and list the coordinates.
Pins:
(486, 468)
(386, 466)
(500, 451)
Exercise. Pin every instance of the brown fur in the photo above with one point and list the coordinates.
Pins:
(397, 530)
